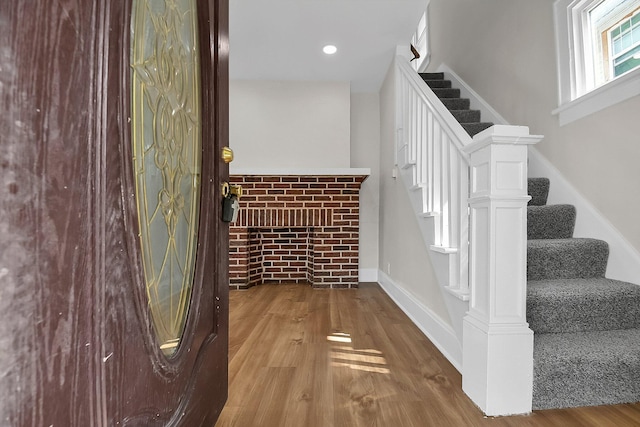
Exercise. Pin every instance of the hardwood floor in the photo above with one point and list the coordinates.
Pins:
(300, 357)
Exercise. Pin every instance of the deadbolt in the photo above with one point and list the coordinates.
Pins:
(227, 154)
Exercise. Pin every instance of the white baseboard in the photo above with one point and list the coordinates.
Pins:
(439, 333)
(368, 275)
(624, 259)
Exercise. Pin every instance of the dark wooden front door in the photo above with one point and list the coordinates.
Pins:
(81, 343)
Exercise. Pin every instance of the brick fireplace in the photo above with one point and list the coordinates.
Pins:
(296, 228)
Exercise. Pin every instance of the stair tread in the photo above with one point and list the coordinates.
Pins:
(576, 305)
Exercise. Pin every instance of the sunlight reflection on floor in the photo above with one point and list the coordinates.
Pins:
(344, 355)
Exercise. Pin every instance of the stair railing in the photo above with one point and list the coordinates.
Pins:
(431, 143)
(475, 192)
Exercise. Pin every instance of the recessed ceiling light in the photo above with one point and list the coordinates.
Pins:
(329, 49)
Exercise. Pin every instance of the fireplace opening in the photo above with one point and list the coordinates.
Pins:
(278, 255)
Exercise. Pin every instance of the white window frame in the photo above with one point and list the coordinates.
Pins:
(575, 70)
(420, 41)
(625, 51)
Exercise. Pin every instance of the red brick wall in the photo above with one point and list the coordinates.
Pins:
(296, 229)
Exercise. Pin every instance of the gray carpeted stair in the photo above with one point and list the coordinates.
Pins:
(586, 327)
(550, 222)
(579, 305)
(566, 258)
(586, 368)
(466, 116)
(459, 107)
(538, 189)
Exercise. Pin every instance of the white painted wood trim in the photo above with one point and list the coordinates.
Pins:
(624, 259)
(368, 275)
(437, 330)
(616, 91)
(575, 102)
(498, 381)
(299, 171)
(497, 341)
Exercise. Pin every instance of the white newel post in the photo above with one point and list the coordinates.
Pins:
(497, 354)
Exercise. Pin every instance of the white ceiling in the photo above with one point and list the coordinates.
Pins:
(283, 39)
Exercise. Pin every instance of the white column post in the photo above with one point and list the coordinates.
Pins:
(497, 354)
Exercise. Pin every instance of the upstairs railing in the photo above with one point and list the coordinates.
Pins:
(475, 189)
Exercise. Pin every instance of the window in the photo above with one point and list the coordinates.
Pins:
(420, 41)
(615, 37)
(598, 53)
(625, 45)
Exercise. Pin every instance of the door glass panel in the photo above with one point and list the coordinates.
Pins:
(167, 146)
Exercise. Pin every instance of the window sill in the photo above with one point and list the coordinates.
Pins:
(616, 91)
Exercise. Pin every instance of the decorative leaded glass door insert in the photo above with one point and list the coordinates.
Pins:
(167, 146)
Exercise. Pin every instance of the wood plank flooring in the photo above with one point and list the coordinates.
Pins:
(300, 357)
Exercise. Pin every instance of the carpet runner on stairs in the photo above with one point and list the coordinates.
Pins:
(586, 327)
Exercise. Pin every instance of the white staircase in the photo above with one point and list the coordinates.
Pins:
(470, 197)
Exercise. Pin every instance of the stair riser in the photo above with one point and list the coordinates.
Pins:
(432, 76)
(615, 386)
(456, 103)
(582, 305)
(538, 189)
(566, 259)
(550, 222)
(447, 93)
(438, 83)
(466, 116)
(474, 128)
(590, 369)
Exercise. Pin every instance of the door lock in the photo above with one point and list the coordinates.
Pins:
(230, 201)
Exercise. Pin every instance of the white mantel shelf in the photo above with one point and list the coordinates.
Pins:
(300, 172)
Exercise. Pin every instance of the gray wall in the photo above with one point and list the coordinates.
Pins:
(278, 124)
(403, 254)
